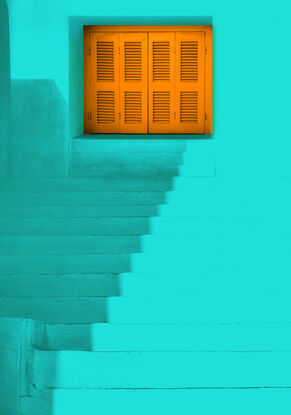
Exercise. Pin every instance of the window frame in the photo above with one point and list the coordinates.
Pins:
(207, 29)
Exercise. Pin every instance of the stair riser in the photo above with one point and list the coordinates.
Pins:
(203, 243)
(58, 245)
(208, 262)
(95, 158)
(192, 226)
(170, 402)
(56, 310)
(171, 310)
(145, 172)
(196, 337)
(84, 198)
(132, 144)
(75, 226)
(134, 287)
(172, 370)
(204, 210)
(201, 308)
(92, 285)
(117, 183)
(68, 211)
(157, 402)
(60, 285)
(246, 186)
(67, 264)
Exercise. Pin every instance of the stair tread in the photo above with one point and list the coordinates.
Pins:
(171, 402)
(89, 369)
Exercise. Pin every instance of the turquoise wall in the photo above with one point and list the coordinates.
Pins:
(251, 68)
(4, 91)
(39, 142)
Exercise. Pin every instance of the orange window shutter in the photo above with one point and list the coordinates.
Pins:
(133, 83)
(102, 88)
(189, 83)
(161, 82)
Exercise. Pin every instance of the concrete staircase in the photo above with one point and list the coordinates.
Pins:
(151, 294)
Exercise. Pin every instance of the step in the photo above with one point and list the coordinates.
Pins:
(227, 210)
(203, 307)
(101, 158)
(195, 190)
(162, 401)
(56, 310)
(133, 284)
(64, 264)
(188, 225)
(165, 337)
(56, 285)
(83, 198)
(130, 171)
(93, 370)
(130, 144)
(236, 184)
(204, 261)
(78, 244)
(81, 211)
(117, 183)
(181, 283)
(213, 241)
(115, 226)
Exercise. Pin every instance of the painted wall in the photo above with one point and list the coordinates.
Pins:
(39, 145)
(4, 91)
(10, 345)
(251, 68)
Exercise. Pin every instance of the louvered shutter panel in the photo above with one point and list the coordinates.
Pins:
(161, 82)
(133, 83)
(189, 85)
(103, 86)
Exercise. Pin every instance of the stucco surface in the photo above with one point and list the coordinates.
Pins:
(4, 91)
(39, 141)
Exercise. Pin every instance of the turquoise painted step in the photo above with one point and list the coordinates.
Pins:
(86, 185)
(101, 158)
(75, 226)
(67, 264)
(135, 284)
(222, 242)
(251, 262)
(162, 401)
(228, 210)
(81, 211)
(83, 198)
(239, 185)
(59, 285)
(204, 307)
(133, 171)
(93, 370)
(56, 310)
(130, 145)
(165, 337)
(79, 244)
(225, 308)
(195, 225)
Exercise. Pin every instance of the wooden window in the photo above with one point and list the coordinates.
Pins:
(148, 79)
